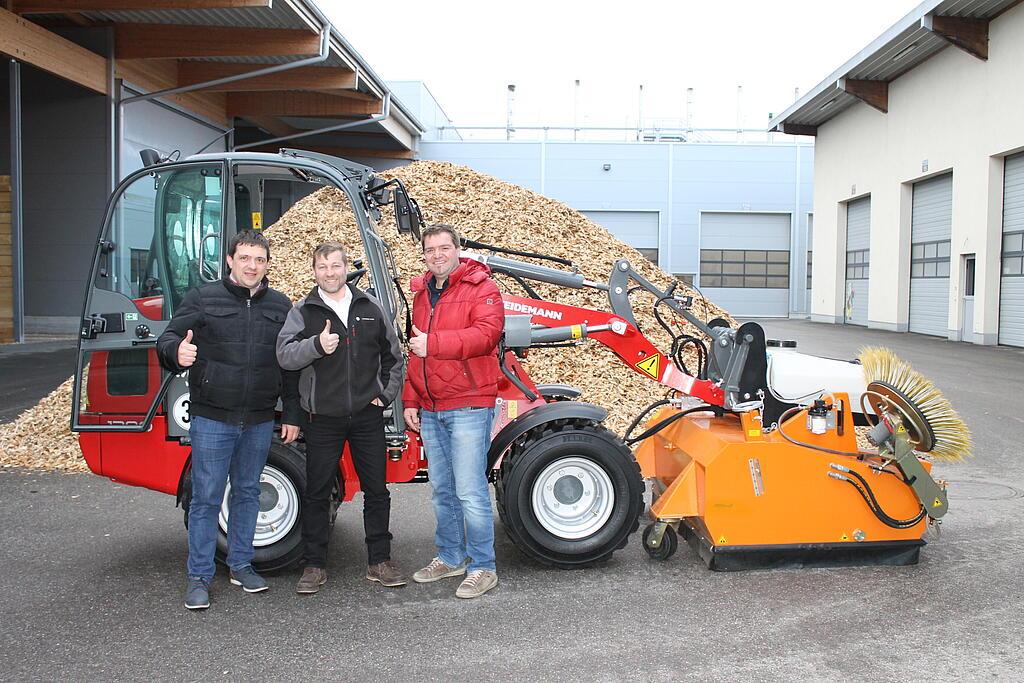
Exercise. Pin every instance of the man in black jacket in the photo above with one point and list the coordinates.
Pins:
(224, 334)
(351, 367)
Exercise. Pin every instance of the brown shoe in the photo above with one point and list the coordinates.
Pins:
(385, 573)
(311, 580)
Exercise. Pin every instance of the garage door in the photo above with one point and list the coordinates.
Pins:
(931, 227)
(638, 229)
(744, 262)
(1011, 288)
(858, 241)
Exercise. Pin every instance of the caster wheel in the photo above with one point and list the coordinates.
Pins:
(669, 543)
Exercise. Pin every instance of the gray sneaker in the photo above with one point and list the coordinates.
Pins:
(197, 593)
(437, 570)
(477, 583)
(248, 579)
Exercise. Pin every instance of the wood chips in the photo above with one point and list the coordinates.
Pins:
(482, 208)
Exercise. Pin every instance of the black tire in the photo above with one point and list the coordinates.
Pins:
(668, 547)
(287, 461)
(597, 450)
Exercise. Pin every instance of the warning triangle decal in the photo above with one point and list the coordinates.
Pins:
(651, 365)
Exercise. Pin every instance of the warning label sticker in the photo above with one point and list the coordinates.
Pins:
(721, 540)
(937, 503)
(844, 537)
(257, 220)
(651, 365)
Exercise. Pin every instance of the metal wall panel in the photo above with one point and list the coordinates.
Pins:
(932, 221)
(1011, 289)
(858, 239)
(636, 228)
(747, 231)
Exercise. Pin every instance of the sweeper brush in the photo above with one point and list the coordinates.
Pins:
(943, 435)
(777, 479)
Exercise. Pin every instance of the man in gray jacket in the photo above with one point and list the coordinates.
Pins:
(351, 369)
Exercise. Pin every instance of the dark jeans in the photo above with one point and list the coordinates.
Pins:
(325, 440)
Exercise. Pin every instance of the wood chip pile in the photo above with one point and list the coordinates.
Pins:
(482, 208)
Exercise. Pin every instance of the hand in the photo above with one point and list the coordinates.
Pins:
(328, 341)
(418, 343)
(289, 433)
(187, 351)
(412, 418)
(377, 402)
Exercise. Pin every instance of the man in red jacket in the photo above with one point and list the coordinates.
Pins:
(449, 396)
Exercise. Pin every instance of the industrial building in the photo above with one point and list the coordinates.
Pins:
(919, 176)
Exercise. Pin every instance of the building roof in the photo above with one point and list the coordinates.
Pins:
(931, 27)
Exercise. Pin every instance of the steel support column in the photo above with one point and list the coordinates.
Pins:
(17, 240)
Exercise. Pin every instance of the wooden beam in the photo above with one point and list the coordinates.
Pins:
(970, 35)
(159, 74)
(302, 78)
(32, 44)
(875, 93)
(346, 152)
(398, 132)
(173, 41)
(64, 6)
(797, 129)
(296, 103)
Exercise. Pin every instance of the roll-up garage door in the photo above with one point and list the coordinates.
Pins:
(744, 262)
(1011, 288)
(931, 227)
(858, 241)
(638, 229)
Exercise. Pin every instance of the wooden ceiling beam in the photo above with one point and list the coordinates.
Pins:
(32, 44)
(875, 93)
(65, 6)
(296, 103)
(275, 127)
(302, 78)
(174, 41)
(970, 35)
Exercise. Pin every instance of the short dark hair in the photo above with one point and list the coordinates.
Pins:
(437, 229)
(327, 248)
(253, 238)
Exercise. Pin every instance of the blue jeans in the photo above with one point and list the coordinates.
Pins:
(221, 450)
(456, 443)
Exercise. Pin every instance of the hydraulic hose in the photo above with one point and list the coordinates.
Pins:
(667, 421)
(869, 497)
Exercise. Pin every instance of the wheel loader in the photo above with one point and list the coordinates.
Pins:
(752, 455)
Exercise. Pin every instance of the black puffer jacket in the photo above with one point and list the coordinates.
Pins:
(236, 377)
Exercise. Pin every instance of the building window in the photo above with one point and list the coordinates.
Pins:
(809, 259)
(685, 278)
(139, 259)
(1013, 254)
(749, 268)
(650, 254)
(857, 264)
(929, 259)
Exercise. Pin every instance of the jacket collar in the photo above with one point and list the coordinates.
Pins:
(473, 272)
(315, 299)
(243, 292)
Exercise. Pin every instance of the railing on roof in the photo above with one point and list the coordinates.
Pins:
(730, 136)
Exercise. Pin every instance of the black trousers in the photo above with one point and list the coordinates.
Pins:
(325, 440)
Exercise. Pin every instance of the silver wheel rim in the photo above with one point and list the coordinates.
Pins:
(573, 497)
(279, 507)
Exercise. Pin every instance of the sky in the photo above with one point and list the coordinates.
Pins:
(467, 53)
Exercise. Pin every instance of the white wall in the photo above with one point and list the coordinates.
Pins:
(957, 113)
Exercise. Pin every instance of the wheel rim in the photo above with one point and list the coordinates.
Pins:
(573, 497)
(279, 507)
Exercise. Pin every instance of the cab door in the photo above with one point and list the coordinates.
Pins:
(163, 234)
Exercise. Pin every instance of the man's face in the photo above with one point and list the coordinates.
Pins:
(441, 255)
(248, 265)
(330, 272)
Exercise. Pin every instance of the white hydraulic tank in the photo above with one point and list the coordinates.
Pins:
(800, 378)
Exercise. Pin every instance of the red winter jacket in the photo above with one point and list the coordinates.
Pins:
(461, 367)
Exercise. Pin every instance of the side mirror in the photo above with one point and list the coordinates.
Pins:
(407, 213)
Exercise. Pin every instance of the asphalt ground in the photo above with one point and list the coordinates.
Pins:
(30, 372)
(92, 578)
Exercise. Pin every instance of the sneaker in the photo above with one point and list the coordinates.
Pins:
(477, 583)
(197, 594)
(385, 573)
(437, 570)
(248, 579)
(311, 580)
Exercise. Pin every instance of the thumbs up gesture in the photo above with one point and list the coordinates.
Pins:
(328, 340)
(187, 351)
(418, 342)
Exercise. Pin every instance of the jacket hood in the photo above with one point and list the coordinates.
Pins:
(469, 270)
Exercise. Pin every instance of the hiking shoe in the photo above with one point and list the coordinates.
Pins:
(311, 580)
(437, 570)
(197, 593)
(386, 573)
(477, 583)
(248, 579)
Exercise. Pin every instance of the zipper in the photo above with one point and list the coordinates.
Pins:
(248, 373)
